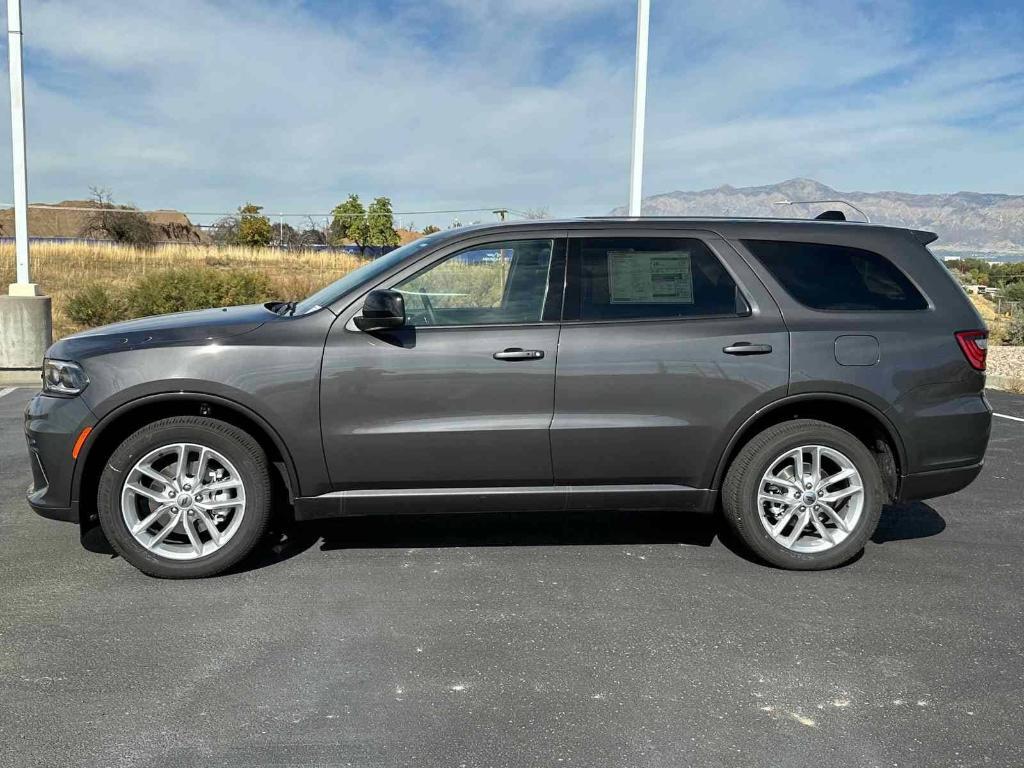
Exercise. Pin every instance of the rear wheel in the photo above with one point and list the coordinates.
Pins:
(185, 497)
(803, 495)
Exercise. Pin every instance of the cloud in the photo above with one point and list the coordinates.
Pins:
(202, 105)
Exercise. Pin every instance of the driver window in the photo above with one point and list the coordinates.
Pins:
(496, 283)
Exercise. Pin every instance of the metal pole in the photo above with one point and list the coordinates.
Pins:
(18, 139)
(636, 171)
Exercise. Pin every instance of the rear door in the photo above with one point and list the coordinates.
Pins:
(668, 343)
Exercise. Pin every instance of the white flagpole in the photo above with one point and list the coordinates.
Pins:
(636, 171)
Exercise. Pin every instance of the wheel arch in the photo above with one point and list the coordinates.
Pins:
(858, 417)
(126, 418)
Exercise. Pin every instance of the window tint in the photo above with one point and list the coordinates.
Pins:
(650, 277)
(489, 284)
(836, 277)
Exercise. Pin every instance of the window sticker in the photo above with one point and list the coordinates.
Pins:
(650, 278)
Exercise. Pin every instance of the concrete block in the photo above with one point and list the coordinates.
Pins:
(26, 330)
(24, 289)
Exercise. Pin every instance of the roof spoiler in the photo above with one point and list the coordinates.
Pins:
(923, 237)
(831, 216)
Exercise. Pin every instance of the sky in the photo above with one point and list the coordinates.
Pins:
(201, 105)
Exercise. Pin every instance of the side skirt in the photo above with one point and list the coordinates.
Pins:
(547, 498)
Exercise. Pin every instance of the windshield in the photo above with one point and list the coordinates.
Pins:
(371, 269)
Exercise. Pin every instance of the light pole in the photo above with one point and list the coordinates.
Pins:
(636, 170)
(23, 287)
(26, 327)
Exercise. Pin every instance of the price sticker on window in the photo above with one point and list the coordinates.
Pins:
(650, 278)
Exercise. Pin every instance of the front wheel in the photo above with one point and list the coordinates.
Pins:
(804, 495)
(185, 497)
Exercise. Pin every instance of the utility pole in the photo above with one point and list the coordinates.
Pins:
(26, 326)
(501, 213)
(636, 171)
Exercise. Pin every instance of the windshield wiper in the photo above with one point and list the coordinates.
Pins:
(283, 307)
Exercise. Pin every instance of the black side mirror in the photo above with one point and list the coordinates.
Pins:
(382, 310)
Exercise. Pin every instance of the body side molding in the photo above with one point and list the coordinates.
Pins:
(546, 498)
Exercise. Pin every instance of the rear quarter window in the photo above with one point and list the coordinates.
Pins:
(837, 277)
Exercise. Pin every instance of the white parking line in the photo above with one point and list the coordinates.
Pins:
(1000, 415)
(7, 391)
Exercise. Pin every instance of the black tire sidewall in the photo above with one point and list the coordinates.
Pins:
(743, 483)
(237, 446)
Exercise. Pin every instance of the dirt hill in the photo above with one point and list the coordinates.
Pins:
(65, 220)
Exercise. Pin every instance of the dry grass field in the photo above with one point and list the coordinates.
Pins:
(63, 268)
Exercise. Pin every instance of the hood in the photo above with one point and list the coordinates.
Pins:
(163, 330)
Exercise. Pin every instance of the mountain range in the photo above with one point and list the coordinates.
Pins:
(967, 223)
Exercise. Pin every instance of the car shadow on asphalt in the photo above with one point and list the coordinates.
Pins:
(610, 527)
(616, 527)
(915, 520)
(520, 529)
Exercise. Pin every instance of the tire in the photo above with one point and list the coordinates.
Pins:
(239, 512)
(750, 507)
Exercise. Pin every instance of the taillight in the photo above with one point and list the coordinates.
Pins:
(974, 345)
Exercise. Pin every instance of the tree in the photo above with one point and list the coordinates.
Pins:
(381, 224)
(224, 231)
(254, 228)
(1014, 292)
(349, 222)
(536, 213)
(430, 229)
(120, 223)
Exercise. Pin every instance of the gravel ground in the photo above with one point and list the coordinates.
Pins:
(1006, 363)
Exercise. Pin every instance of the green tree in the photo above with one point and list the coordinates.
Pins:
(254, 228)
(349, 222)
(381, 224)
(1014, 291)
(430, 229)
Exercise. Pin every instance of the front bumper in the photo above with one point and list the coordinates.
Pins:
(51, 426)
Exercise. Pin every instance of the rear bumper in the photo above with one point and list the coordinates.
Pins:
(940, 482)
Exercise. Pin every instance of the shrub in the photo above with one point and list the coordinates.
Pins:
(1014, 334)
(179, 290)
(96, 305)
(1014, 291)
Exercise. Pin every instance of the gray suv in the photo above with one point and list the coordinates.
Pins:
(795, 375)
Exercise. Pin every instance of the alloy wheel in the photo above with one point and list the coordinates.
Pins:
(183, 501)
(810, 498)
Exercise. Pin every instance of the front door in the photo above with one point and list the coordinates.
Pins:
(669, 342)
(461, 397)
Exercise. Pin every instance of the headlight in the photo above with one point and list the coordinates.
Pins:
(62, 377)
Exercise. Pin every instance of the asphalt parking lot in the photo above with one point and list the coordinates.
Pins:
(547, 640)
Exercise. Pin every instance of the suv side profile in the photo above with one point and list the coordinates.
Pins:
(795, 375)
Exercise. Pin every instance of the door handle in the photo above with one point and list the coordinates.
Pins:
(516, 353)
(746, 348)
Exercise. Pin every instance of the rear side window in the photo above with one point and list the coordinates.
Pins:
(836, 277)
(633, 278)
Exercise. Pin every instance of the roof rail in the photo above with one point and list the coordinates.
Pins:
(847, 203)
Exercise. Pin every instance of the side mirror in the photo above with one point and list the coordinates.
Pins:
(382, 311)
